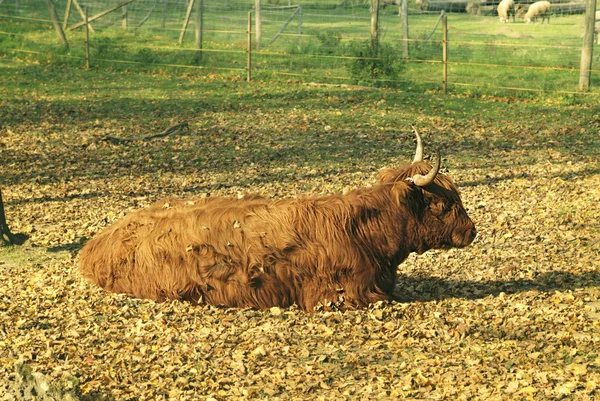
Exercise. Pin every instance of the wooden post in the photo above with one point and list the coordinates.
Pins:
(124, 18)
(585, 68)
(199, 28)
(445, 52)
(258, 23)
(87, 41)
(404, 14)
(147, 16)
(99, 15)
(249, 62)
(374, 24)
(67, 13)
(186, 21)
(82, 14)
(299, 23)
(56, 23)
(285, 24)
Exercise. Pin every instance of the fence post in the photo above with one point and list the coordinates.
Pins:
(67, 13)
(56, 23)
(445, 52)
(258, 23)
(299, 23)
(285, 24)
(186, 21)
(404, 14)
(87, 40)
(199, 28)
(124, 18)
(249, 63)
(80, 11)
(588, 46)
(374, 24)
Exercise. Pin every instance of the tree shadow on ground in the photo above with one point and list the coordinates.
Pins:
(73, 247)
(269, 177)
(566, 176)
(44, 199)
(426, 289)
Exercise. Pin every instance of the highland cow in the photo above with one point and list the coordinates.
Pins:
(342, 251)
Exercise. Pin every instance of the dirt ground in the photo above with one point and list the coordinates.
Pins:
(514, 316)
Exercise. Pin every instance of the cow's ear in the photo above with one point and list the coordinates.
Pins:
(387, 176)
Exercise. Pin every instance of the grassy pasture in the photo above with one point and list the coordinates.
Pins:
(514, 316)
(486, 57)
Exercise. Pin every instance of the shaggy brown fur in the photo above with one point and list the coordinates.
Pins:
(256, 252)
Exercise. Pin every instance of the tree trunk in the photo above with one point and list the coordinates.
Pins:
(258, 23)
(585, 68)
(56, 23)
(375, 25)
(6, 237)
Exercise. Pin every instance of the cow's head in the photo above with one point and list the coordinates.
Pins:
(442, 221)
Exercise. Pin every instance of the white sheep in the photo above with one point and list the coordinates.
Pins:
(505, 8)
(539, 8)
(422, 4)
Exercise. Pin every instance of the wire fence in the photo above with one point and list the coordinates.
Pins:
(320, 41)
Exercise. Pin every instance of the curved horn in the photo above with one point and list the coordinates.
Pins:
(423, 180)
(419, 151)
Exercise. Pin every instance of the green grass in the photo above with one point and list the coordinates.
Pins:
(14, 256)
(484, 55)
(102, 100)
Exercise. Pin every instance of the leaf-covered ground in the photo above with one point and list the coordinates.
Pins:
(514, 316)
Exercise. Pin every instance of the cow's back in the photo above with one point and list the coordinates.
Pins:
(220, 250)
